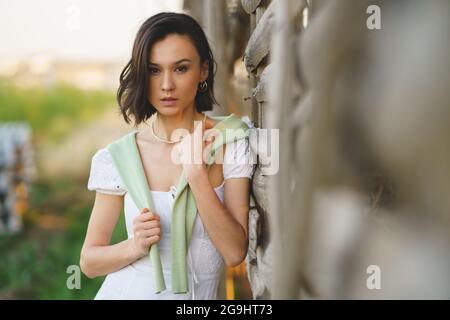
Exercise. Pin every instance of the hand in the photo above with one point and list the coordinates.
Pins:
(191, 152)
(147, 231)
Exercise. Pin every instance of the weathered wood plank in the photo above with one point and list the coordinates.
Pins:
(250, 5)
(289, 225)
(260, 92)
(259, 43)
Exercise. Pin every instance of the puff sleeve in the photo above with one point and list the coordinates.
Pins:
(104, 177)
(239, 159)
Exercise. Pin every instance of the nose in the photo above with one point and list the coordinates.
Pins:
(167, 83)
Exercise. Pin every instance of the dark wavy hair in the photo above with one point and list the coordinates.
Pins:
(132, 94)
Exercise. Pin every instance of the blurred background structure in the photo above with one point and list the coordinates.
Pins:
(358, 206)
(16, 171)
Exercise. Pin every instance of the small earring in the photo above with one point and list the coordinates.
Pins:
(203, 86)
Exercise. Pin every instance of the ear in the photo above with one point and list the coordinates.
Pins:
(204, 71)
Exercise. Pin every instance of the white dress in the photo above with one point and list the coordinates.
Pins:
(205, 264)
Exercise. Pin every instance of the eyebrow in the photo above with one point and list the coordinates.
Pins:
(177, 62)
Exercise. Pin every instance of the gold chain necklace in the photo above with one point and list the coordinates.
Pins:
(152, 131)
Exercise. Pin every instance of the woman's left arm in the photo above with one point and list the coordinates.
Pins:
(226, 224)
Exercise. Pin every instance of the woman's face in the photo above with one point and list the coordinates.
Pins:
(174, 72)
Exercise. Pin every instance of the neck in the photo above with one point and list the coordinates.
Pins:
(165, 125)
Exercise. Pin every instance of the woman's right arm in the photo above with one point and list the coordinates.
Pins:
(98, 257)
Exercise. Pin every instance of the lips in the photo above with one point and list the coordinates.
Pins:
(168, 101)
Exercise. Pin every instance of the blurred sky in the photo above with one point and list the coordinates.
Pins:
(94, 30)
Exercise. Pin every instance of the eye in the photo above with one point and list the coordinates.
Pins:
(181, 69)
(153, 70)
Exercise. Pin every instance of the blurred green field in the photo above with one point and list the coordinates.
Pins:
(52, 112)
(33, 263)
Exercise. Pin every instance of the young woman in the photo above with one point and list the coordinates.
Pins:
(169, 81)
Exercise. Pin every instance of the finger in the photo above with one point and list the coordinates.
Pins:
(153, 216)
(208, 144)
(208, 124)
(211, 132)
(147, 225)
(143, 217)
(150, 224)
(148, 216)
(210, 139)
(151, 240)
(145, 210)
(150, 233)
